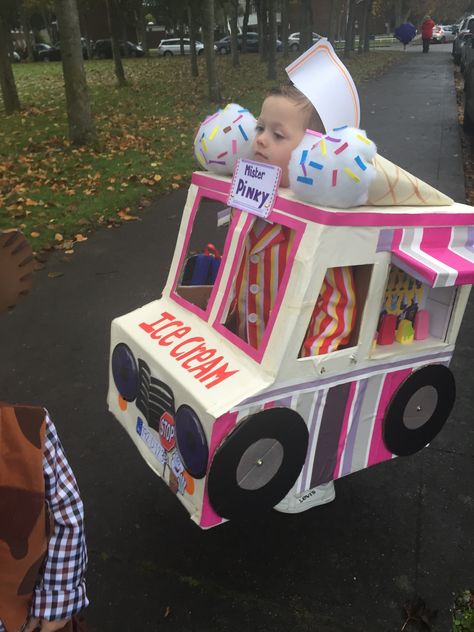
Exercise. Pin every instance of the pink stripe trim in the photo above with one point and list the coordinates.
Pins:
(257, 354)
(348, 218)
(221, 428)
(345, 426)
(209, 182)
(204, 314)
(378, 451)
(436, 243)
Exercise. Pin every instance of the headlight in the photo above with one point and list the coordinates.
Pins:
(191, 441)
(125, 372)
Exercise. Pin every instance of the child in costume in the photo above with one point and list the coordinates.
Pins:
(285, 116)
(42, 547)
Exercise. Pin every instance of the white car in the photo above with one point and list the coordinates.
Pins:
(294, 40)
(170, 47)
(442, 34)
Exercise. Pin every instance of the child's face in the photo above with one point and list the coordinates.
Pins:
(280, 128)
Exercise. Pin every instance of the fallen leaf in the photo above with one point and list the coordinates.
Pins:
(58, 237)
(80, 237)
(35, 234)
(55, 275)
(157, 177)
(167, 612)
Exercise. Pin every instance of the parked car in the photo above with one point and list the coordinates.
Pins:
(168, 47)
(85, 52)
(465, 51)
(45, 52)
(294, 40)
(103, 49)
(442, 34)
(252, 43)
(463, 31)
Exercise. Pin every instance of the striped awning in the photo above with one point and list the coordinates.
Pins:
(441, 257)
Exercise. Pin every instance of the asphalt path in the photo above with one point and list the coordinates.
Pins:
(402, 528)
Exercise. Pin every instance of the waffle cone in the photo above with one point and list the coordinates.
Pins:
(393, 186)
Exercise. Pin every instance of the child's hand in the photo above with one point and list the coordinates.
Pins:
(45, 626)
(333, 169)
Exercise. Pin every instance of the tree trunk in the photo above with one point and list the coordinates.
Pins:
(208, 31)
(272, 38)
(397, 9)
(81, 125)
(245, 24)
(11, 101)
(263, 30)
(141, 29)
(25, 25)
(349, 29)
(306, 25)
(181, 38)
(192, 41)
(234, 44)
(284, 27)
(114, 28)
(367, 27)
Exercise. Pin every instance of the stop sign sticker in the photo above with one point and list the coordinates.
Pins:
(167, 431)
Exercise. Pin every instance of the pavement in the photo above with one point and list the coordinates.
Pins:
(402, 528)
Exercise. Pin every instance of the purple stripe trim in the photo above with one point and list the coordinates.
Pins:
(316, 384)
(470, 238)
(385, 240)
(331, 424)
(351, 437)
(319, 398)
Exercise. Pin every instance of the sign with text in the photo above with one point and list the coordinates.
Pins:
(254, 187)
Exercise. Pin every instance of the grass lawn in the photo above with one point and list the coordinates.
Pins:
(57, 193)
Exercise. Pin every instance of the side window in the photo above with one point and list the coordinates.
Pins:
(203, 252)
(413, 312)
(337, 313)
(262, 271)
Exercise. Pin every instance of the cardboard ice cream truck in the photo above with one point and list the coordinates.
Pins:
(234, 427)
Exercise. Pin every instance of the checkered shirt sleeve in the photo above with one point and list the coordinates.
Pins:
(61, 591)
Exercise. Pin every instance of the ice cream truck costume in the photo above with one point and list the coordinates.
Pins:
(234, 428)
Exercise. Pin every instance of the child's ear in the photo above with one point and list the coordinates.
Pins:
(224, 137)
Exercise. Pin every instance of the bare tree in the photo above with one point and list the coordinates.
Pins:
(245, 24)
(349, 38)
(11, 101)
(208, 31)
(262, 17)
(284, 27)
(81, 125)
(272, 38)
(306, 25)
(114, 28)
(234, 44)
(192, 40)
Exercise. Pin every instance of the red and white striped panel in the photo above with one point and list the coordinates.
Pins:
(441, 257)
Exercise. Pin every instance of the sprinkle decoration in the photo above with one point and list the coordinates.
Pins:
(224, 153)
(361, 163)
(243, 133)
(214, 132)
(212, 117)
(323, 147)
(313, 133)
(305, 180)
(234, 147)
(333, 140)
(217, 162)
(227, 129)
(304, 155)
(340, 149)
(363, 139)
(338, 129)
(204, 144)
(204, 156)
(315, 165)
(334, 177)
(237, 119)
(304, 169)
(351, 174)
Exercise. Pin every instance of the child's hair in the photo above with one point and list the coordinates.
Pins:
(288, 90)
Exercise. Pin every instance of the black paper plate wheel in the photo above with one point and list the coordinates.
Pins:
(419, 409)
(258, 463)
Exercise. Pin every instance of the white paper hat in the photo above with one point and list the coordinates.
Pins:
(322, 77)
